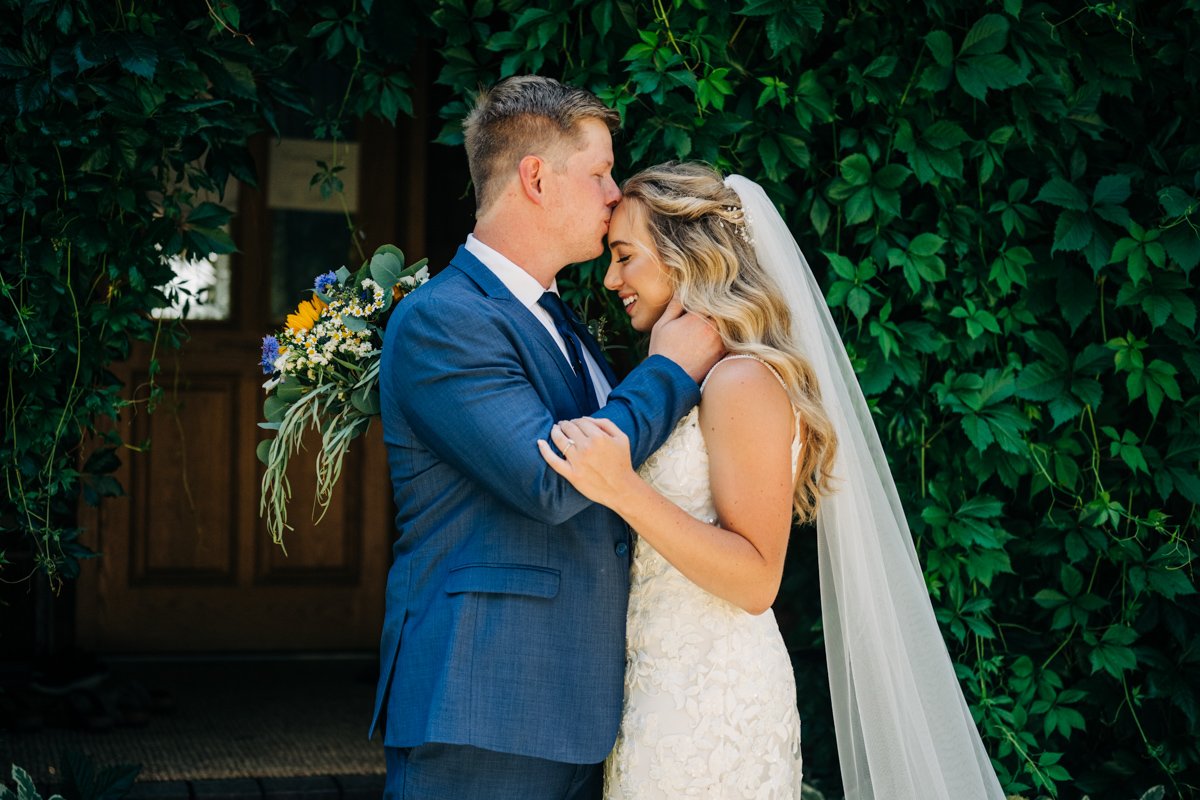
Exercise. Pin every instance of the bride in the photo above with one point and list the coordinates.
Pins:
(782, 431)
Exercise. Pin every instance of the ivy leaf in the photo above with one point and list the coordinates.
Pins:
(31, 94)
(1182, 244)
(712, 89)
(977, 74)
(1040, 382)
(983, 565)
(1063, 194)
(1170, 582)
(1009, 268)
(680, 142)
(941, 47)
(944, 135)
(1072, 231)
(859, 302)
(820, 215)
(926, 244)
(860, 207)
(795, 149)
(209, 215)
(1159, 381)
(881, 67)
(768, 154)
(1075, 295)
(978, 431)
(1111, 190)
(986, 36)
(137, 55)
(203, 241)
(891, 176)
(1112, 653)
(785, 30)
(1176, 202)
(227, 12)
(602, 18)
(856, 170)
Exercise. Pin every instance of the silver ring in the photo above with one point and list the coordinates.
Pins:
(570, 444)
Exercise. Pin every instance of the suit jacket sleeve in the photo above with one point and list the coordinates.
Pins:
(460, 382)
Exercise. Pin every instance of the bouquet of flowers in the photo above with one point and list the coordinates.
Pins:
(324, 369)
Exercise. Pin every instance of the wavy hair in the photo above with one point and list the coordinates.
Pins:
(697, 226)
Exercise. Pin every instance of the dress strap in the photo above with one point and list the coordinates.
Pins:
(774, 371)
(796, 443)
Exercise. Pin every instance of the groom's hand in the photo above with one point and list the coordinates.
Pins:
(688, 339)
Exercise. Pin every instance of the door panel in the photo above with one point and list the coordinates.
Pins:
(187, 563)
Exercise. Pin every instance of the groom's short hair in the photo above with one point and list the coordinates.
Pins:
(525, 115)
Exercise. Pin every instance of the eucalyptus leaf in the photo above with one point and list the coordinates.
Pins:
(366, 401)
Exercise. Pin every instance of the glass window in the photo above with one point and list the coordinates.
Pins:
(199, 290)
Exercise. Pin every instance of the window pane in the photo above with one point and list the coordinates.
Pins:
(199, 290)
(306, 244)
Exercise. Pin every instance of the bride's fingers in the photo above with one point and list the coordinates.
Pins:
(589, 428)
(609, 427)
(572, 431)
(558, 436)
(556, 462)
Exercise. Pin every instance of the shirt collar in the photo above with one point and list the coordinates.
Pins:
(523, 286)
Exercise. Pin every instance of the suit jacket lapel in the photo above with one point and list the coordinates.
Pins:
(531, 328)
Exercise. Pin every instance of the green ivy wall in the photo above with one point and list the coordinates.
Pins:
(1000, 199)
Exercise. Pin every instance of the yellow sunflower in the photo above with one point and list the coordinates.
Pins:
(307, 314)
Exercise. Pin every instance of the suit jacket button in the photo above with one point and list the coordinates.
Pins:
(622, 549)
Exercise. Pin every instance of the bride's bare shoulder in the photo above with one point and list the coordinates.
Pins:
(744, 391)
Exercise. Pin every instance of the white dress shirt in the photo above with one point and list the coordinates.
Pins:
(528, 291)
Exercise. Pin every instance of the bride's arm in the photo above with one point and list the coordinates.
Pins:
(747, 424)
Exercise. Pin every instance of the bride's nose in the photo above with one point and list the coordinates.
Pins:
(612, 278)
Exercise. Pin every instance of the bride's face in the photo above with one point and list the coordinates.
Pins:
(636, 273)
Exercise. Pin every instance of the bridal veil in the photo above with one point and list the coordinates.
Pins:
(903, 727)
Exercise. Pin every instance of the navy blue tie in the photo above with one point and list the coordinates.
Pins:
(563, 324)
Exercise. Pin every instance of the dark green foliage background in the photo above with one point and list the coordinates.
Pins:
(1001, 201)
(999, 197)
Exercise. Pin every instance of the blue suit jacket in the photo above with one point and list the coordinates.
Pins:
(506, 600)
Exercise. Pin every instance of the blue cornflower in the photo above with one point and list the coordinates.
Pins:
(326, 282)
(270, 352)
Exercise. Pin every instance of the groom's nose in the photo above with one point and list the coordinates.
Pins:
(613, 192)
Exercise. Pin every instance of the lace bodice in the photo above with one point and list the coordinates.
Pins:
(710, 698)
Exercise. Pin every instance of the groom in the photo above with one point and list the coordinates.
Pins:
(502, 654)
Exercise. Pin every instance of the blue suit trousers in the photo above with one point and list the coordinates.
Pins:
(460, 772)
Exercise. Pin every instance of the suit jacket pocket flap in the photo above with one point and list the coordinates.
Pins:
(503, 579)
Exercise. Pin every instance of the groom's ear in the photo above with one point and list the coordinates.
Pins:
(531, 170)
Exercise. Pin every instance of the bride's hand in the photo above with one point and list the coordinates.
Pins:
(595, 458)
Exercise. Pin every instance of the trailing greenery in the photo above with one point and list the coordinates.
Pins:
(1000, 199)
(25, 788)
(120, 128)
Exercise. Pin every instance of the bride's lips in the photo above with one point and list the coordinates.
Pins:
(629, 302)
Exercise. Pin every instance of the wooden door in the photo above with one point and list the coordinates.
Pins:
(187, 564)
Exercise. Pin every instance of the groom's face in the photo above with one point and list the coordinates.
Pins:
(584, 194)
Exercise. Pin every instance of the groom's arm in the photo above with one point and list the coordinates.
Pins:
(467, 395)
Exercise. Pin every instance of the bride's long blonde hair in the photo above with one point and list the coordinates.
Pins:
(697, 226)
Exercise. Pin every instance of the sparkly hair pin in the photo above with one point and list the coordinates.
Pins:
(740, 222)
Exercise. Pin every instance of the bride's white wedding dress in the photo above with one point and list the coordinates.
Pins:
(710, 696)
